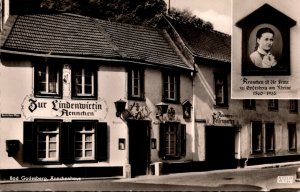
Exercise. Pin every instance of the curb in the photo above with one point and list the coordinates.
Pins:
(275, 165)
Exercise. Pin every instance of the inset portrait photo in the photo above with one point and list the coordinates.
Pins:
(265, 43)
(265, 46)
(263, 52)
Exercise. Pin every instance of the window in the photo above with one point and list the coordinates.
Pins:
(256, 136)
(263, 137)
(171, 87)
(47, 80)
(84, 82)
(84, 141)
(249, 104)
(221, 90)
(55, 141)
(292, 134)
(273, 105)
(269, 137)
(294, 106)
(48, 141)
(136, 84)
(172, 140)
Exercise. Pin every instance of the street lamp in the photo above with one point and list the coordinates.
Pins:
(162, 109)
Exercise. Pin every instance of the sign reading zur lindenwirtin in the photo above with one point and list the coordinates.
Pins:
(62, 108)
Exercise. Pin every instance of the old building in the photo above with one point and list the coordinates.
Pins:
(84, 97)
(87, 97)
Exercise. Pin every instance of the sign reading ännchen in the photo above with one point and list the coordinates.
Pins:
(62, 108)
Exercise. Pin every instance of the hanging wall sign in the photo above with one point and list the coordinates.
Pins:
(61, 108)
(219, 118)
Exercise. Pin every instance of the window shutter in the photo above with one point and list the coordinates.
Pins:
(142, 77)
(177, 87)
(165, 87)
(183, 139)
(225, 90)
(162, 148)
(101, 141)
(129, 79)
(66, 143)
(29, 142)
(178, 140)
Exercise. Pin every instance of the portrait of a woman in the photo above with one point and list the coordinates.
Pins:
(262, 57)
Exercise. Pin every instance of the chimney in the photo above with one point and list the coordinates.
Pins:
(4, 12)
(169, 7)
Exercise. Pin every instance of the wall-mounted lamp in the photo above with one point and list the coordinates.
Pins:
(186, 108)
(120, 107)
(162, 108)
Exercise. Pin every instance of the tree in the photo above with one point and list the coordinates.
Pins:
(141, 12)
(186, 17)
(144, 12)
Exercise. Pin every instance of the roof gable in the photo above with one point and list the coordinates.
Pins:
(266, 14)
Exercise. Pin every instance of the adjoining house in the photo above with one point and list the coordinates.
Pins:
(228, 132)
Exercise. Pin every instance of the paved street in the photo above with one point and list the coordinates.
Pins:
(253, 179)
(110, 185)
(265, 178)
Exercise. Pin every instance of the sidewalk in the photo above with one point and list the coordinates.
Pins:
(233, 177)
(274, 165)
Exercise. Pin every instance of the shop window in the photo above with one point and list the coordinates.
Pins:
(256, 136)
(273, 105)
(84, 82)
(47, 79)
(171, 87)
(292, 134)
(172, 140)
(221, 90)
(56, 141)
(136, 84)
(269, 137)
(249, 104)
(294, 106)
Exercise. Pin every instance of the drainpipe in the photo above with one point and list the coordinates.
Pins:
(193, 74)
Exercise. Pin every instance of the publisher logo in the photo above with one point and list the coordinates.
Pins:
(285, 179)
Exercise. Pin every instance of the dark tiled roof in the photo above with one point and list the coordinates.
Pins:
(74, 35)
(141, 43)
(58, 34)
(204, 43)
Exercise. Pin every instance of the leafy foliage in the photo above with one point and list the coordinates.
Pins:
(142, 12)
(186, 17)
(145, 12)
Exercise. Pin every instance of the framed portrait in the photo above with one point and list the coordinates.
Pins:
(266, 43)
